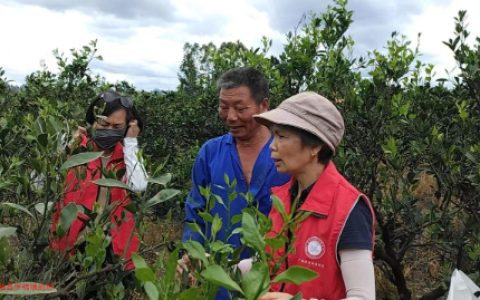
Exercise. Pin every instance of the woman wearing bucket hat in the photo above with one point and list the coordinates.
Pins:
(336, 237)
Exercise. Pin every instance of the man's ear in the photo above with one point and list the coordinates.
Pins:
(264, 105)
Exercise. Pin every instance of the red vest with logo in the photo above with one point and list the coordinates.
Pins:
(315, 240)
(84, 192)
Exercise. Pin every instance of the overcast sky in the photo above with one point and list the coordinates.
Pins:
(142, 41)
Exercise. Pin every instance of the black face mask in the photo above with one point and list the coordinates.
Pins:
(108, 138)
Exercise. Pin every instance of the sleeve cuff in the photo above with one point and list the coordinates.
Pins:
(130, 141)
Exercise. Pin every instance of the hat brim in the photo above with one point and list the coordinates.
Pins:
(279, 116)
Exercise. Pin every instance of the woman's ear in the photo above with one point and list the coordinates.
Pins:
(315, 150)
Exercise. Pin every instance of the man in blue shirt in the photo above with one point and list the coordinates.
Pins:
(243, 154)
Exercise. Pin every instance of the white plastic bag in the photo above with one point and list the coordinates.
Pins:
(462, 287)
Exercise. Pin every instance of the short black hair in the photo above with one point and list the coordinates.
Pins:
(109, 107)
(246, 76)
(309, 139)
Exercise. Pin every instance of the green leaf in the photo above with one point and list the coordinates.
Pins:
(237, 230)
(196, 250)
(296, 275)
(219, 199)
(236, 219)
(226, 179)
(54, 123)
(216, 275)
(7, 231)
(191, 293)
(67, 216)
(43, 139)
(18, 207)
(5, 250)
(278, 204)
(196, 228)
(26, 289)
(171, 268)
(276, 243)
(162, 196)
(40, 207)
(251, 234)
(207, 217)
(144, 274)
(216, 225)
(391, 147)
(255, 282)
(297, 296)
(163, 180)
(151, 290)
(109, 182)
(80, 159)
(138, 261)
(205, 192)
(232, 196)
(218, 246)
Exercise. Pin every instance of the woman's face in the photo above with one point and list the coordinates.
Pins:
(288, 152)
(116, 120)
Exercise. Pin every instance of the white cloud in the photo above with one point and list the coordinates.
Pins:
(147, 52)
(436, 24)
(30, 33)
(156, 49)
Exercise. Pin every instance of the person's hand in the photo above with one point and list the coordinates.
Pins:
(133, 129)
(245, 265)
(276, 296)
(77, 137)
(184, 265)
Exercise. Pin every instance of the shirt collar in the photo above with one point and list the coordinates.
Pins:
(303, 196)
(230, 140)
(319, 196)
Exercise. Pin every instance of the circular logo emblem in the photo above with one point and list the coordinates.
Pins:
(314, 247)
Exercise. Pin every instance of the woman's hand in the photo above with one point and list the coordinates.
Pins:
(77, 137)
(133, 129)
(276, 296)
(245, 265)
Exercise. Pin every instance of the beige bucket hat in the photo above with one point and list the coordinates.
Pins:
(311, 112)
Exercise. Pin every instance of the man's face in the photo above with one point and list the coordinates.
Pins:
(236, 109)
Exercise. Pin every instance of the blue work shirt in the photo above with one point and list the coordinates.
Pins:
(219, 157)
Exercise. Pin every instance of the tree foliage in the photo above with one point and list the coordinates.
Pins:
(411, 145)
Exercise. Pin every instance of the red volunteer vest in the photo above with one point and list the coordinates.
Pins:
(84, 192)
(330, 202)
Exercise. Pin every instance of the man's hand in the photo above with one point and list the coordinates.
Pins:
(184, 265)
(276, 296)
(133, 129)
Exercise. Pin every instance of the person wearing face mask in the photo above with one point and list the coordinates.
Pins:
(115, 127)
